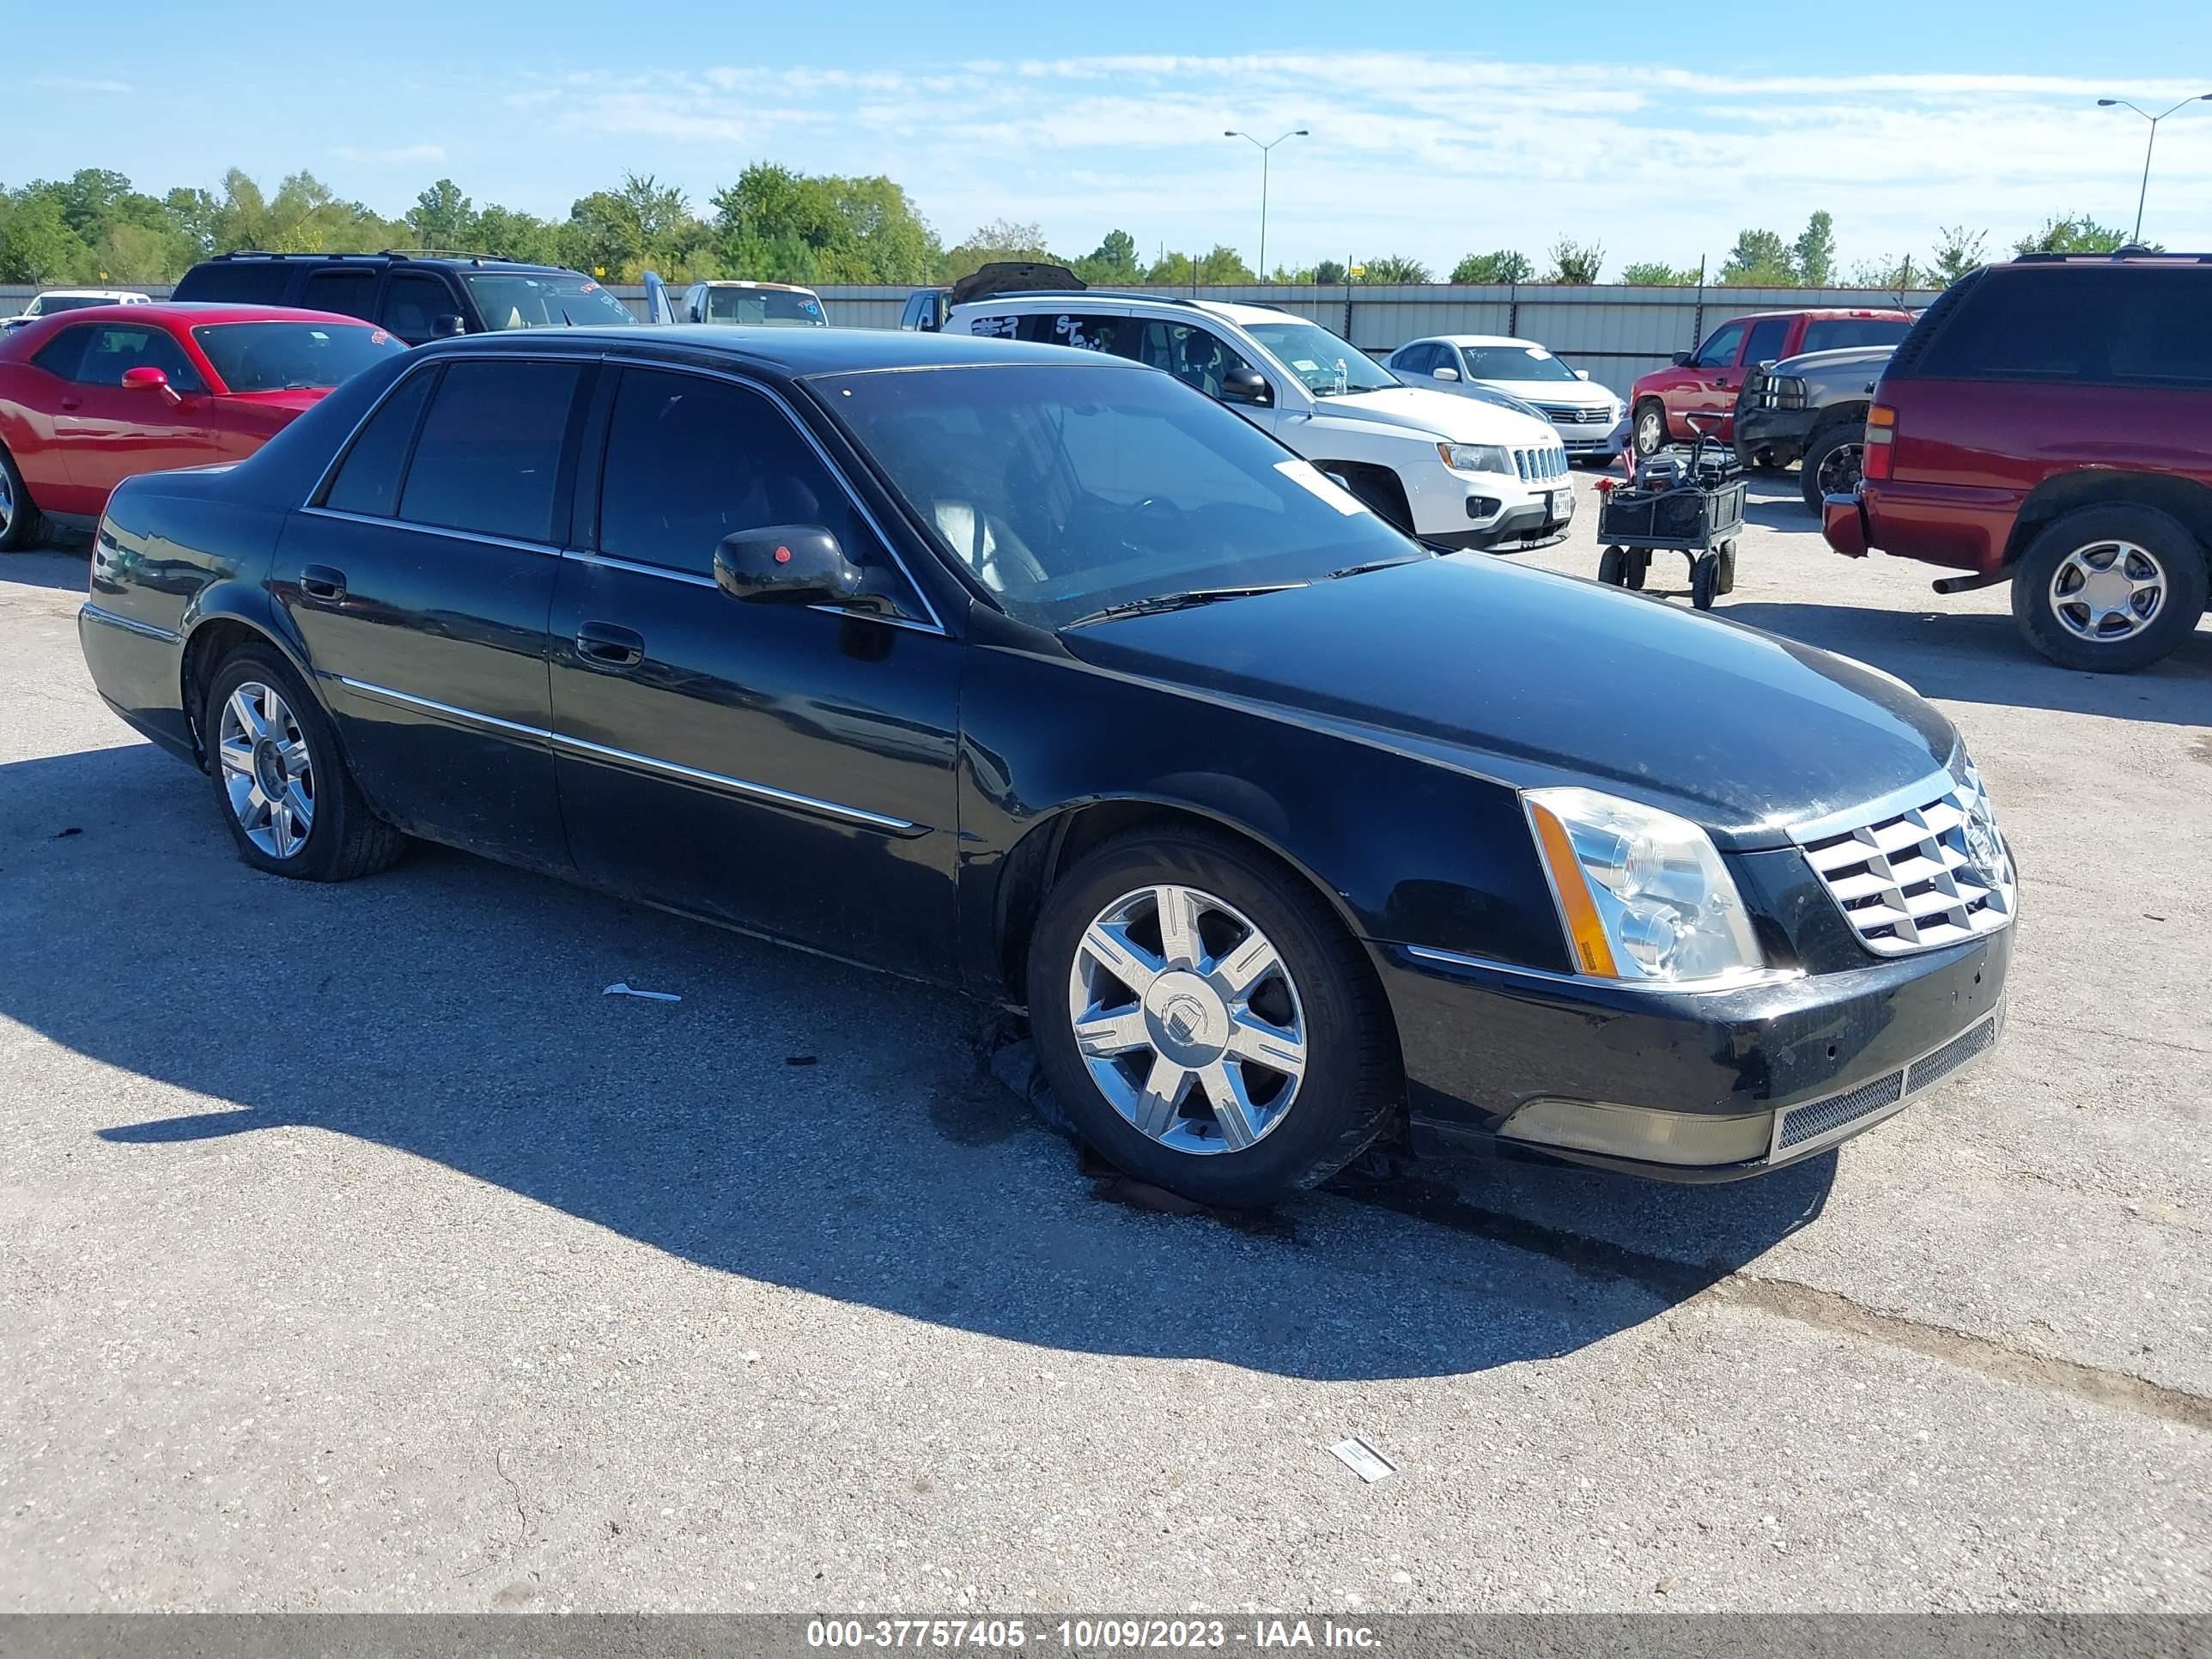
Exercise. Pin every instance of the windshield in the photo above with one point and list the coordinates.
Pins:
(1513, 362)
(292, 356)
(1312, 353)
(1067, 489)
(48, 304)
(764, 307)
(543, 299)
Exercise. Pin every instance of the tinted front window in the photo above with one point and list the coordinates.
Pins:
(2116, 325)
(248, 282)
(291, 356)
(110, 350)
(551, 299)
(348, 293)
(1197, 357)
(1314, 355)
(1416, 359)
(489, 459)
(48, 304)
(690, 460)
(368, 482)
(1514, 363)
(764, 307)
(1767, 340)
(413, 303)
(1066, 489)
(1719, 351)
(1844, 333)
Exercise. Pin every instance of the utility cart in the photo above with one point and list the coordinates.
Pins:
(1693, 506)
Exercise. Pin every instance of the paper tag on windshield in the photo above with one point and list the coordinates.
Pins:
(1307, 475)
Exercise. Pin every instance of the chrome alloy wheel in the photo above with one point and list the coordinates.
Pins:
(1650, 431)
(1188, 1020)
(267, 775)
(7, 502)
(2108, 591)
(1839, 470)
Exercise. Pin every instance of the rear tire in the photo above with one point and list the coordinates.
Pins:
(1831, 465)
(2076, 567)
(1159, 1047)
(20, 525)
(1650, 432)
(1612, 567)
(281, 783)
(1704, 580)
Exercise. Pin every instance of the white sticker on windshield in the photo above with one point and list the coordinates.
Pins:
(1307, 475)
(1306, 366)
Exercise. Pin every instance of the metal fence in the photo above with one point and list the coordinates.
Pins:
(1616, 333)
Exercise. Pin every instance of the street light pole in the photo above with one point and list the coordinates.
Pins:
(2122, 103)
(1264, 149)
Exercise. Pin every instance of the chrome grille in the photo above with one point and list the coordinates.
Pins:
(1802, 1123)
(1934, 873)
(1535, 464)
(1571, 414)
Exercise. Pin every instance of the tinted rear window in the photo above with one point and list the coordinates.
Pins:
(370, 481)
(255, 282)
(1844, 333)
(2114, 326)
(489, 455)
(288, 356)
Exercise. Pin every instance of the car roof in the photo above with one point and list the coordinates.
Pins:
(1478, 340)
(795, 352)
(739, 282)
(1229, 311)
(196, 313)
(84, 293)
(389, 256)
(1822, 312)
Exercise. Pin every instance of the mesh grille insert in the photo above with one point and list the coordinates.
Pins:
(1809, 1121)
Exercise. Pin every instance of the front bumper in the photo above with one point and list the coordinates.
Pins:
(1509, 515)
(1822, 1056)
(1779, 434)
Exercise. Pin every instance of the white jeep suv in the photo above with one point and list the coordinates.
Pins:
(1454, 471)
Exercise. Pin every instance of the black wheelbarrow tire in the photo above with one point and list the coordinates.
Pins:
(1727, 584)
(1704, 580)
(1639, 566)
(1612, 567)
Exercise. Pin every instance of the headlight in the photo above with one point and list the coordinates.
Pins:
(1641, 893)
(1476, 458)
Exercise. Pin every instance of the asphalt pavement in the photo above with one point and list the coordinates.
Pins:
(356, 1252)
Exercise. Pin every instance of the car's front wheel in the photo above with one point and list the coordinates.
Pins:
(1833, 464)
(1650, 428)
(291, 806)
(19, 516)
(1208, 1024)
(2109, 589)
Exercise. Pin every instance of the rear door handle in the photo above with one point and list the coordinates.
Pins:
(319, 581)
(609, 647)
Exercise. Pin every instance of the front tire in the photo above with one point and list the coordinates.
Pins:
(2108, 590)
(20, 523)
(1831, 465)
(285, 794)
(1207, 1024)
(1651, 433)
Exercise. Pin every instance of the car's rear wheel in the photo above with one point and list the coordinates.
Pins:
(1831, 465)
(19, 515)
(1208, 1025)
(1650, 427)
(286, 795)
(2110, 589)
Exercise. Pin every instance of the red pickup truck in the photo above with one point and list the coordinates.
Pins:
(2049, 423)
(1706, 380)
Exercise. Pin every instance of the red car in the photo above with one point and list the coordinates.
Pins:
(2049, 423)
(1706, 380)
(90, 398)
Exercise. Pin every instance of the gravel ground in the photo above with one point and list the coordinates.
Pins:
(360, 1255)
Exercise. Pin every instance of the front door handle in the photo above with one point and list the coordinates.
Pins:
(320, 581)
(609, 647)
(72, 403)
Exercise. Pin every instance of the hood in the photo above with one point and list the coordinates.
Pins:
(1439, 415)
(1574, 394)
(1536, 679)
(1828, 362)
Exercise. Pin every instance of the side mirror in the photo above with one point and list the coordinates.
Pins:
(446, 326)
(146, 377)
(1444, 374)
(1681, 359)
(1582, 374)
(786, 564)
(1246, 385)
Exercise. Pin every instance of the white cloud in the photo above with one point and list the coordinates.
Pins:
(80, 83)
(386, 157)
(1432, 155)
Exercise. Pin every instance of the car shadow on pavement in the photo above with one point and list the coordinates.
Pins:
(792, 1120)
(1979, 657)
(62, 568)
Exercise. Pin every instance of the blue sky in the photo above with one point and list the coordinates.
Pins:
(1436, 130)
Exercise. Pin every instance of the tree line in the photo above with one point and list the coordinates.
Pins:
(774, 224)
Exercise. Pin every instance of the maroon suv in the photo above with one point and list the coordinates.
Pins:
(2048, 422)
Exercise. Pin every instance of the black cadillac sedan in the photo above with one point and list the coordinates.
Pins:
(1039, 674)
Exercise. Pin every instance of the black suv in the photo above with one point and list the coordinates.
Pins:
(417, 296)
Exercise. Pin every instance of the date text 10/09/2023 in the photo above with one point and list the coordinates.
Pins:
(1087, 1635)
